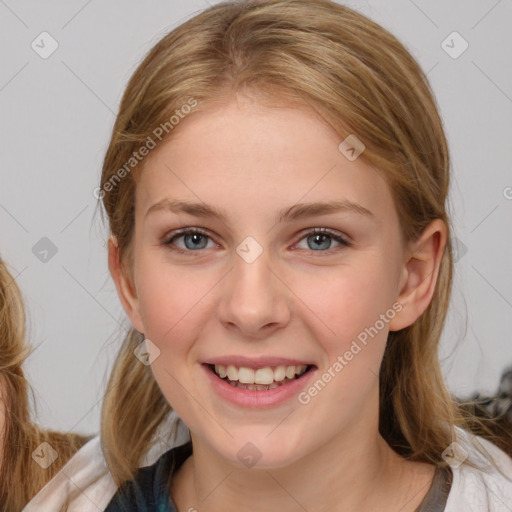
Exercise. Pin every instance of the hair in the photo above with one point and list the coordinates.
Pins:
(361, 80)
(20, 477)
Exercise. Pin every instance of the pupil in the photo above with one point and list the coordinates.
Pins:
(196, 237)
(322, 238)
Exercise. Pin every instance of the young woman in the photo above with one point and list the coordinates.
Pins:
(29, 456)
(276, 188)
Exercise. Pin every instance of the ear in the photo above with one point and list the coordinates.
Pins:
(125, 289)
(419, 274)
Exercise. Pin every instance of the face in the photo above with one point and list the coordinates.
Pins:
(260, 287)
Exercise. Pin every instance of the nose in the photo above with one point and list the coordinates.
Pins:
(256, 300)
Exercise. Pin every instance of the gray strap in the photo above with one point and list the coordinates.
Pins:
(437, 495)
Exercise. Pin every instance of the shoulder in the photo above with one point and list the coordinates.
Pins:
(482, 489)
(85, 471)
(149, 489)
(84, 483)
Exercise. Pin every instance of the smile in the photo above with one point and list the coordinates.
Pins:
(257, 388)
(260, 379)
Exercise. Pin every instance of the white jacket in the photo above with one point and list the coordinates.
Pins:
(473, 490)
(85, 485)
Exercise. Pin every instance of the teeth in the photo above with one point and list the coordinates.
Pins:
(261, 376)
(280, 373)
(254, 387)
(232, 372)
(246, 376)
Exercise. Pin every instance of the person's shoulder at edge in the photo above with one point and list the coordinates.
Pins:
(479, 490)
(86, 471)
(85, 484)
(148, 490)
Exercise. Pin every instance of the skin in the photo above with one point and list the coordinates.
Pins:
(296, 299)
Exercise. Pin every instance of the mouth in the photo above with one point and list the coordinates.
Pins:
(260, 379)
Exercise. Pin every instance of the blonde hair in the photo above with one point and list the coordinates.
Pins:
(361, 80)
(20, 477)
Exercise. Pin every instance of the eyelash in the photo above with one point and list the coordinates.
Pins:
(167, 242)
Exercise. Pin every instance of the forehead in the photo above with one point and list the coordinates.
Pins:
(247, 154)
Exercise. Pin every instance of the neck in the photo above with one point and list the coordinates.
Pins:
(353, 472)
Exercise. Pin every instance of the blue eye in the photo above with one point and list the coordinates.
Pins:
(319, 236)
(195, 239)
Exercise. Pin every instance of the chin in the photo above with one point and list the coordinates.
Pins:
(247, 452)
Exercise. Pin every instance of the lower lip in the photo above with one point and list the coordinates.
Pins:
(253, 399)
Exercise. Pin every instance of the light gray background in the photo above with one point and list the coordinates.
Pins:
(57, 114)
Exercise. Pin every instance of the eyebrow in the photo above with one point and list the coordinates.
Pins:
(295, 212)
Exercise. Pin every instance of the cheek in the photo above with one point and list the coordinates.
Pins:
(346, 300)
(348, 324)
(175, 304)
(167, 302)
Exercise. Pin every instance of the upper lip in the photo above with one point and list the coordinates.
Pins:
(255, 362)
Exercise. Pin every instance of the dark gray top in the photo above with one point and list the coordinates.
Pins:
(436, 497)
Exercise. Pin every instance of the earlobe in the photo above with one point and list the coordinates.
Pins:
(125, 290)
(419, 274)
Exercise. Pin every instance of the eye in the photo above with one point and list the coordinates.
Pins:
(321, 238)
(193, 238)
